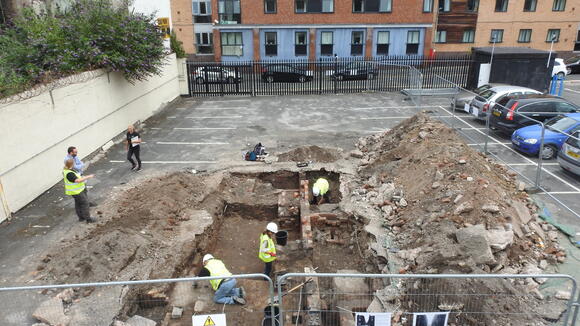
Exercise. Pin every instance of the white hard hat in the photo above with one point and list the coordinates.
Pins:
(207, 257)
(272, 227)
(315, 191)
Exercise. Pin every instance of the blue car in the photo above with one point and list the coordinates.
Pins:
(527, 139)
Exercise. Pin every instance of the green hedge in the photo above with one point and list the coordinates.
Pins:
(91, 34)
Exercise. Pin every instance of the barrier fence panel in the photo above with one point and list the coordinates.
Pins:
(374, 299)
(331, 75)
(156, 300)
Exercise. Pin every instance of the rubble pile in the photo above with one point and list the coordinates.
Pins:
(435, 205)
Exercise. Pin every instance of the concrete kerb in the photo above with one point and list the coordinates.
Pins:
(569, 304)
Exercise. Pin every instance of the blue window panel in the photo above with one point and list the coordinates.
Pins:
(342, 40)
(286, 42)
(248, 43)
(398, 40)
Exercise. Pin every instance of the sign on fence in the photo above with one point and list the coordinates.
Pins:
(373, 319)
(209, 320)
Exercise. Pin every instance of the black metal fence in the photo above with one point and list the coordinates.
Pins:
(325, 76)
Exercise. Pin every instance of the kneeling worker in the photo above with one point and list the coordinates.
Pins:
(267, 251)
(225, 289)
(320, 191)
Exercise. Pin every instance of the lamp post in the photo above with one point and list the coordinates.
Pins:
(553, 39)
(493, 39)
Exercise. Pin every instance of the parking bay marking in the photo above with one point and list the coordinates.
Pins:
(169, 162)
(525, 158)
(571, 90)
(189, 143)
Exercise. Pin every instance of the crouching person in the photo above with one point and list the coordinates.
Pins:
(225, 289)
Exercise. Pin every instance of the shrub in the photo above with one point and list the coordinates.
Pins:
(176, 46)
(91, 34)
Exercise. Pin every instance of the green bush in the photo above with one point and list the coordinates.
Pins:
(91, 34)
(176, 46)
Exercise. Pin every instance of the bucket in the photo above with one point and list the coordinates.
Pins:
(282, 238)
(269, 318)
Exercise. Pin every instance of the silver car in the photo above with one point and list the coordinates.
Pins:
(482, 103)
(465, 97)
(569, 154)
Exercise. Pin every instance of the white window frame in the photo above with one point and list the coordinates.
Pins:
(559, 5)
(441, 37)
(427, 5)
(525, 32)
(234, 49)
(468, 36)
(381, 43)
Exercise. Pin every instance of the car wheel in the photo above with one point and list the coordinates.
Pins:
(549, 152)
(269, 79)
(371, 75)
(231, 80)
(199, 80)
(560, 75)
(302, 79)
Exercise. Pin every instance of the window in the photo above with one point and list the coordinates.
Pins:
(300, 44)
(530, 5)
(427, 5)
(444, 5)
(563, 107)
(269, 6)
(525, 36)
(271, 45)
(232, 43)
(326, 43)
(412, 42)
(496, 36)
(559, 5)
(383, 40)
(553, 35)
(204, 43)
(357, 43)
(472, 5)
(361, 6)
(468, 36)
(313, 6)
(201, 12)
(229, 12)
(501, 5)
(441, 37)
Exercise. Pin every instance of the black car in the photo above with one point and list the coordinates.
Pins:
(285, 73)
(512, 112)
(355, 71)
(573, 65)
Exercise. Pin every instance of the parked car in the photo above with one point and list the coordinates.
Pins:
(514, 112)
(573, 65)
(211, 74)
(560, 68)
(466, 97)
(285, 73)
(356, 70)
(528, 139)
(569, 154)
(480, 104)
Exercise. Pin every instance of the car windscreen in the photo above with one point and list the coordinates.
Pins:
(486, 95)
(482, 89)
(561, 123)
(572, 60)
(574, 141)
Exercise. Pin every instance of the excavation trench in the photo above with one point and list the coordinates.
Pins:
(326, 240)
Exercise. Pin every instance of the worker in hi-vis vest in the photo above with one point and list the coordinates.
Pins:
(267, 251)
(320, 191)
(74, 185)
(225, 288)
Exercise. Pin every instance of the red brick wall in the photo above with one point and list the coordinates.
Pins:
(217, 49)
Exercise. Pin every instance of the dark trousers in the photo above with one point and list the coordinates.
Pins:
(134, 150)
(82, 205)
(268, 268)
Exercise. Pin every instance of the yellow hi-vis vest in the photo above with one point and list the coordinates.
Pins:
(216, 268)
(323, 185)
(270, 247)
(72, 188)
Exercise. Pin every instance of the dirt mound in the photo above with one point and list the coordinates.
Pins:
(311, 153)
(449, 209)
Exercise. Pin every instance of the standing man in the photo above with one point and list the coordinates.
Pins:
(320, 191)
(225, 289)
(74, 185)
(132, 145)
(78, 166)
(267, 252)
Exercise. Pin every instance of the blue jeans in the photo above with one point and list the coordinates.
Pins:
(226, 291)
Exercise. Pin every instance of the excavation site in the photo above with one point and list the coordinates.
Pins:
(413, 200)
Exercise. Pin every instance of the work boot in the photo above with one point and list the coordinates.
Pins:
(242, 292)
(239, 300)
(91, 220)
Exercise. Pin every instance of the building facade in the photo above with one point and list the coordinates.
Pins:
(312, 29)
(464, 24)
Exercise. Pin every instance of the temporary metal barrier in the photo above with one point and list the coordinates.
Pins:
(101, 303)
(331, 75)
(482, 299)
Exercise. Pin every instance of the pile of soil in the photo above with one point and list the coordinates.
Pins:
(311, 153)
(444, 208)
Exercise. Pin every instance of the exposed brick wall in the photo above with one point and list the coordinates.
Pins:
(181, 19)
(217, 50)
(369, 43)
(312, 45)
(256, 33)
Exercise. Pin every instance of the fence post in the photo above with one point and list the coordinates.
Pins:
(320, 74)
(189, 81)
(540, 158)
(335, 79)
(253, 74)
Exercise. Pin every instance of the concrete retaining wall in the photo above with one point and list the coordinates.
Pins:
(35, 133)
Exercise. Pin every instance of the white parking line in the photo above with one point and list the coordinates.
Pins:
(218, 117)
(169, 162)
(221, 108)
(528, 164)
(207, 128)
(522, 156)
(571, 90)
(560, 193)
(391, 107)
(188, 143)
(489, 144)
(404, 117)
